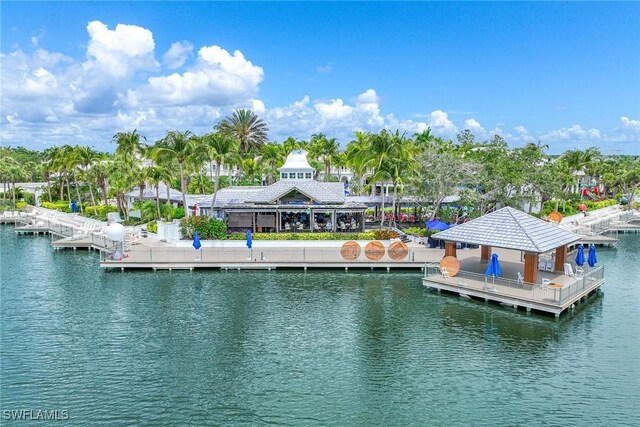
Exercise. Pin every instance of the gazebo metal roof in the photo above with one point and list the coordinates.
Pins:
(510, 228)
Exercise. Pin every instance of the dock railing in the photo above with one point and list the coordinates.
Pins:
(513, 288)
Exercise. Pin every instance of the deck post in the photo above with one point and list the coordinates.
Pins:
(561, 258)
(530, 267)
(450, 249)
(485, 253)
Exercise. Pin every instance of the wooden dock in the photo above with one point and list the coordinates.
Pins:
(562, 292)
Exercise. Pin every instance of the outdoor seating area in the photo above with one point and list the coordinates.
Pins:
(522, 259)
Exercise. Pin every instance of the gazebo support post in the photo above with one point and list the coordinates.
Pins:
(561, 258)
(450, 249)
(530, 267)
(485, 253)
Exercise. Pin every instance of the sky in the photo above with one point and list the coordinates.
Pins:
(562, 74)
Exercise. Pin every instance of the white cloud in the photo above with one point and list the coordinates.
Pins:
(333, 110)
(218, 78)
(475, 127)
(257, 106)
(325, 69)
(177, 55)
(122, 51)
(572, 133)
(440, 123)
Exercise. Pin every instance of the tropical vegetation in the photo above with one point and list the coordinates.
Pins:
(237, 151)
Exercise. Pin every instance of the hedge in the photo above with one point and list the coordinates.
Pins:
(305, 236)
(207, 228)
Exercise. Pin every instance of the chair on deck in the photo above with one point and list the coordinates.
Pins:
(568, 270)
(287, 226)
(579, 272)
(545, 283)
(520, 279)
(444, 272)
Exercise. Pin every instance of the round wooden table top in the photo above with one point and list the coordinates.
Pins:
(374, 250)
(452, 265)
(555, 217)
(554, 285)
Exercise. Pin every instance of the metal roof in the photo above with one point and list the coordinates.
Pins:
(510, 228)
(149, 192)
(321, 192)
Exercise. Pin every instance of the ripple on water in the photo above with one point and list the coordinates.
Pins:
(299, 348)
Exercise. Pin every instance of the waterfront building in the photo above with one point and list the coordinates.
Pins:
(296, 202)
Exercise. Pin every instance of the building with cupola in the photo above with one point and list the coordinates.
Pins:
(295, 203)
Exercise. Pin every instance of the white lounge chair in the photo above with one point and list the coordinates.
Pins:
(444, 272)
(520, 279)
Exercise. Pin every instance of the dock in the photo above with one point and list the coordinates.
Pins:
(562, 293)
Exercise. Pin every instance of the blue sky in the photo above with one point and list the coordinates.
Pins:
(567, 74)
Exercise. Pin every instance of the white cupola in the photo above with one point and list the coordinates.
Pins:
(297, 167)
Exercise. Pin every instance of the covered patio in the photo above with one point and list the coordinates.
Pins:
(532, 254)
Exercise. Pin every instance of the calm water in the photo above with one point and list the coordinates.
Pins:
(295, 349)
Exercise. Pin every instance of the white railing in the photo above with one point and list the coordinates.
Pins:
(513, 288)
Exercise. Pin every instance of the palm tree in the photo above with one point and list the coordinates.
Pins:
(324, 149)
(129, 147)
(99, 172)
(357, 154)
(220, 149)
(179, 147)
(82, 158)
(157, 175)
(272, 157)
(247, 128)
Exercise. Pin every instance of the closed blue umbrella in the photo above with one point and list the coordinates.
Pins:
(591, 258)
(74, 206)
(580, 256)
(196, 240)
(493, 269)
(249, 239)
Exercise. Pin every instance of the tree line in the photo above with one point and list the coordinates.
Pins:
(423, 166)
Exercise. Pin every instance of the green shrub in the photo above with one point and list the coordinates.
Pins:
(206, 227)
(384, 234)
(101, 210)
(62, 206)
(21, 205)
(304, 236)
(152, 227)
(178, 213)
(416, 231)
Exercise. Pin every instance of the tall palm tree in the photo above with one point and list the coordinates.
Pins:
(324, 149)
(156, 175)
(357, 156)
(99, 173)
(272, 156)
(247, 128)
(220, 148)
(179, 147)
(129, 147)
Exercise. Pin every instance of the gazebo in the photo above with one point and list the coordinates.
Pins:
(509, 228)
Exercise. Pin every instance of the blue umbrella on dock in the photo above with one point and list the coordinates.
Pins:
(249, 239)
(74, 206)
(196, 240)
(493, 269)
(580, 256)
(591, 258)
